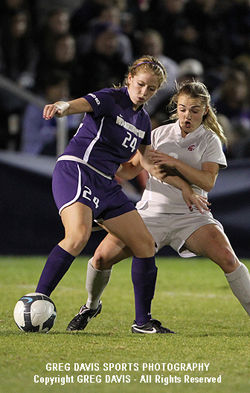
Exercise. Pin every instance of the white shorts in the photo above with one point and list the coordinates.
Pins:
(174, 229)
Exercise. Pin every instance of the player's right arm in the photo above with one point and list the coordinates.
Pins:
(188, 193)
(132, 168)
(65, 108)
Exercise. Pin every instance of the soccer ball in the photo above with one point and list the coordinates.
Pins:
(35, 312)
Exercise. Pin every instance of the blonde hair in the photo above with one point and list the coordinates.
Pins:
(195, 89)
(148, 64)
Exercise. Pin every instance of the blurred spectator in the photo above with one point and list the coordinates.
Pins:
(231, 99)
(212, 49)
(82, 16)
(169, 19)
(19, 55)
(55, 25)
(63, 57)
(110, 14)
(8, 7)
(102, 65)
(44, 7)
(237, 19)
(229, 133)
(190, 69)
(144, 13)
(38, 135)
(151, 43)
(242, 62)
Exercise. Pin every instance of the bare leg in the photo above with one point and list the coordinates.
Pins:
(109, 252)
(131, 230)
(210, 241)
(77, 221)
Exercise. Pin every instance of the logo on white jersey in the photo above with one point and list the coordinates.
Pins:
(191, 147)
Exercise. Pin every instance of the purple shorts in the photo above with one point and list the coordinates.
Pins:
(73, 182)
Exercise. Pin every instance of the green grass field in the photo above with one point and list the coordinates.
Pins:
(192, 298)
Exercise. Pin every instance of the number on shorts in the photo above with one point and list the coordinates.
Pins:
(96, 202)
(87, 193)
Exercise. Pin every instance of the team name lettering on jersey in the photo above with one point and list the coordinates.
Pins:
(130, 127)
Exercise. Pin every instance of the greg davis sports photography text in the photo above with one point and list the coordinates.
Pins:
(127, 373)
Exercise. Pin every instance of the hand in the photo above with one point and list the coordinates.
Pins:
(192, 198)
(58, 109)
(163, 170)
(158, 158)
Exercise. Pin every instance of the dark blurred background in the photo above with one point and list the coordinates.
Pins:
(60, 50)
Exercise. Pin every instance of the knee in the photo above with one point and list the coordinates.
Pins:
(101, 261)
(76, 242)
(151, 246)
(228, 261)
(145, 247)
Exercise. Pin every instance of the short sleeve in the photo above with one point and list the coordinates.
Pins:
(102, 101)
(214, 152)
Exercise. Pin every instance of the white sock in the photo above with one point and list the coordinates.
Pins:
(96, 282)
(239, 281)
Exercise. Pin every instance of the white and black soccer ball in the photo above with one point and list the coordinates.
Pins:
(35, 312)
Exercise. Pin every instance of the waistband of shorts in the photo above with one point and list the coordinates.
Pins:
(81, 161)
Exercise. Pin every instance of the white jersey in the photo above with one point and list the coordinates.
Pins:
(196, 148)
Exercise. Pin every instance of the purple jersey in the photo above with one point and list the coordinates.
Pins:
(112, 133)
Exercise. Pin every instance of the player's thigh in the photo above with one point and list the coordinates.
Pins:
(131, 230)
(209, 241)
(77, 219)
(110, 251)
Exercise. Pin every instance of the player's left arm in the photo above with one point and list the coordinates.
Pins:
(65, 108)
(204, 178)
(141, 160)
(132, 168)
